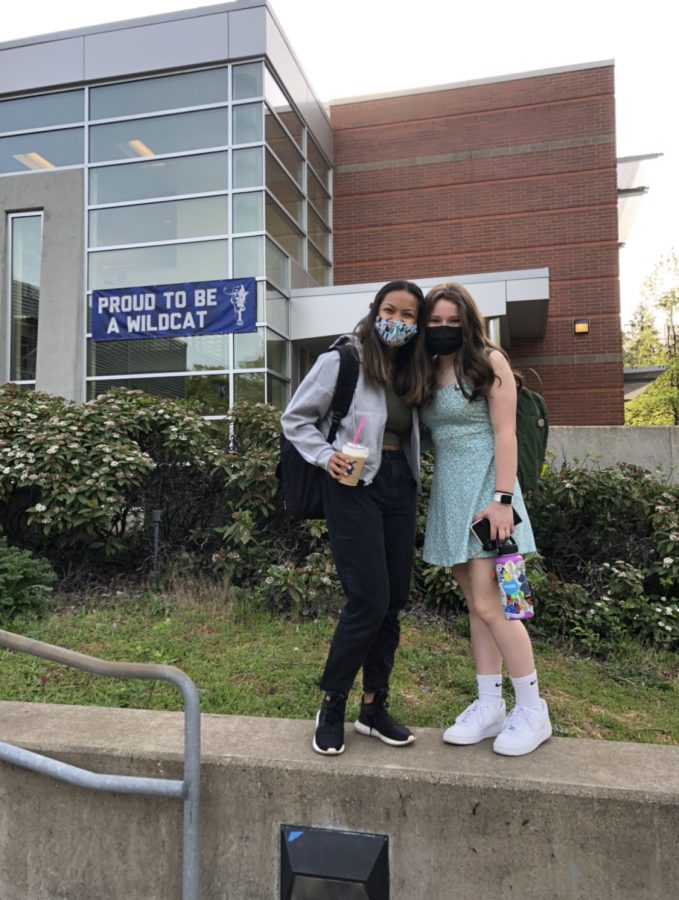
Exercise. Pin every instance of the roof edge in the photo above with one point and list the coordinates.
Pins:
(517, 76)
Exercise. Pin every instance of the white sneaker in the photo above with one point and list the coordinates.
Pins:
(475, 723)
(525, 729)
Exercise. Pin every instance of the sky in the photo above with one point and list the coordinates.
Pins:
(354, 47)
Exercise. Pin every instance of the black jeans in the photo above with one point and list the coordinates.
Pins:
(372, 537)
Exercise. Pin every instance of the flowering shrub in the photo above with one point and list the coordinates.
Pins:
(76, 477)
(610, 539)
(286, 562)
(24, 582)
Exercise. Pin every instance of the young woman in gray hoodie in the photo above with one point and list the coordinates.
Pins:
(372, 525)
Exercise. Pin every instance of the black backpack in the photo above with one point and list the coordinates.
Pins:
(300, 481)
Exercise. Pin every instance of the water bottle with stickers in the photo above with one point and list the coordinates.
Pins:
(510, 570)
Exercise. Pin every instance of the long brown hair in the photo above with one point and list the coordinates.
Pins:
(409, 371)
(473, 368)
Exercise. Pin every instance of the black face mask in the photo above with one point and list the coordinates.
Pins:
(442, 340)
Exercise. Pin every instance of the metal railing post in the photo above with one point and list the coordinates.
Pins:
(188, 789)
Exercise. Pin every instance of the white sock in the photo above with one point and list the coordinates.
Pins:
(490, 689)
(527, 691)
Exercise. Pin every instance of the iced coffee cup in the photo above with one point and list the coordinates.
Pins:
(358, 455)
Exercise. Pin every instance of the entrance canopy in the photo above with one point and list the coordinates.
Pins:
(517, 301)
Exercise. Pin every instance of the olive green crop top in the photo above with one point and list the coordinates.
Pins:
(399, 420)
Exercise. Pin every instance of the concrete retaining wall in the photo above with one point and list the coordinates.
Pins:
(578, 819)
(648, 446)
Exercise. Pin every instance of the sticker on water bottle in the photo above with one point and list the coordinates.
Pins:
(516, 595)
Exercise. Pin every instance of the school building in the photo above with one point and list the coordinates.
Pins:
(190, 147)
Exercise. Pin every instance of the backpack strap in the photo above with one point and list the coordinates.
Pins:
(344, 389)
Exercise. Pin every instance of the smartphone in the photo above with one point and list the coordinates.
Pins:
(481, 531)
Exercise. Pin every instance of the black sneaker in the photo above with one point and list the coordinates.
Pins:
(375, 721)
(329, 736)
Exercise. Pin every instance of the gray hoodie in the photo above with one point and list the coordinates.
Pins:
(306, 421)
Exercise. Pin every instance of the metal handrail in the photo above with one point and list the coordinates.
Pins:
(188, 789)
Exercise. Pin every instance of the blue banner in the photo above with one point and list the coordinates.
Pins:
(175, 310)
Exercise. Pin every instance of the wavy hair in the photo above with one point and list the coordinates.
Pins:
(473, 368)
(410, 369)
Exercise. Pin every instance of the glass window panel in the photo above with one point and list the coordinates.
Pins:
(151, 94)
(248, 212)
(278, 392)
(280, 184)
(159, 178)
(318, 232)
(42, 111)
(26, 253)
(318, 268)
(162, 134)
(42, 150)
(281, 228)
(277, 267)
(247, 123)
(277, 353)
(211, 392)
(167, 221)
(248, 350)
(173, 263)
(318, 196)
(249, 387)
(277, 310)
(261, 300)
(247, 168)
(279, 102)
(284, 148)
(183, 354)
(247, 81)
(317, 160)
(248, 257)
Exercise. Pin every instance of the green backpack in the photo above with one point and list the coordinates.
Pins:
(532, 431)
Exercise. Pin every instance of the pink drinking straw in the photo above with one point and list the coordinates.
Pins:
(358, 431)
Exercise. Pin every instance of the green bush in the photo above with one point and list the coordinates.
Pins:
(286, 562)
(24, 582)
(84, 478)
(77, 483)
(607, 573)
(609, 540)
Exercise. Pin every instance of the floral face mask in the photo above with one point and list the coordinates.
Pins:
(394, 333)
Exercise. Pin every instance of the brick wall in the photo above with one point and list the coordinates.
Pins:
(516, 174)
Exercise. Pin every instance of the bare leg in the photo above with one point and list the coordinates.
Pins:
(487, 656)
(493, 637)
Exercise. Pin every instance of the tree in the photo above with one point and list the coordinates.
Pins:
(661, 289)
(659, 403)
(641, 341)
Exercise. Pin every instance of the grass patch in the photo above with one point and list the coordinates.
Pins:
(247, 661)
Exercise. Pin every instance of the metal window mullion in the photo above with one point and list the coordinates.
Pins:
(280, 206)
(141, 376)
(67, 126)
(172, 154)
(159, 113)
(168, 243)
(167, 198)
(300, 187)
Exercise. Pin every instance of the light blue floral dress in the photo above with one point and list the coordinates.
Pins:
(464, 479)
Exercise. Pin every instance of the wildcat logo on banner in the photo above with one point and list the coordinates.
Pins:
(175, 310)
